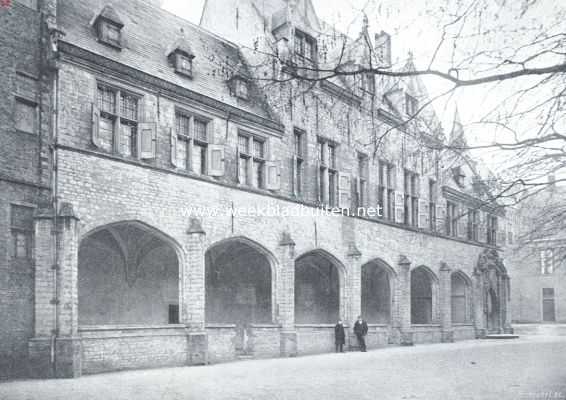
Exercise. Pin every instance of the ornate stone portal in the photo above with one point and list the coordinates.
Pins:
(492, 295)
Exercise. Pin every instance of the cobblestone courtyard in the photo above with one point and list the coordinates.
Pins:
(526, 368)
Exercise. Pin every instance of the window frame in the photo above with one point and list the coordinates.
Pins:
(17, 229)
(299, 160)
(104, 25)
(252, 160)
(190, 140)
(118, 119)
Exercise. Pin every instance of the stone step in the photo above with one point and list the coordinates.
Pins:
(501, 336)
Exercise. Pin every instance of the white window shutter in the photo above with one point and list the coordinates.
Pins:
(357, 191)
(441, 217)
(216, 160)
(399, 207)
(147, 140)
(238, 178)
(423, 214)
(482, 236)
(95, 121)
(174, 144)
(272, 179)
(344, 190)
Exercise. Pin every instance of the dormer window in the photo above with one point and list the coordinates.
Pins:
(109, 27)
(241, 89)
(305, 46)
(183, 64)
(181, 57)
(239, 84)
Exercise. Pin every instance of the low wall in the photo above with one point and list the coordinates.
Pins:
(221, 342)
(464, 331)
(114, 348)
(315, 338)
(426, 333)
(540, 329)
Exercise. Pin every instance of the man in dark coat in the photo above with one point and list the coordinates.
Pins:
(361, 330)
(339, 336)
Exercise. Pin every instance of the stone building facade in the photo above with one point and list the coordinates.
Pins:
(162, 190)
(537, 260)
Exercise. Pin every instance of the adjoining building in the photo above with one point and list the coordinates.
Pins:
(538, 259)
(132, 141)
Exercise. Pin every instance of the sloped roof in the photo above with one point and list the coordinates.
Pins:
(148, 34)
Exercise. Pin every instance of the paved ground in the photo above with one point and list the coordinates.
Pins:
(526, 368)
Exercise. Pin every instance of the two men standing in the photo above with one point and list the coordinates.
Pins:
(360, 330)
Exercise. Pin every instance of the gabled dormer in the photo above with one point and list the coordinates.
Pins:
(108, 27)
(180, 56)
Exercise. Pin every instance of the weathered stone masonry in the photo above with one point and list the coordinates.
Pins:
(118, 271)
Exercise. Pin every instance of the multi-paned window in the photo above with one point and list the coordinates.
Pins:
(251, 160)
(411, 206)
(22, 231)
(491, 229)
(192, 147)
(473, 217)
(305, 45)
(432, 204)
(298, 161)
(386, 189)
(451, 219)
(118, 124)
(546, 261)
(328, 173)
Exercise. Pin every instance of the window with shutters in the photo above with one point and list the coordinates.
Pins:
(411, 204)
(298, 161)
(192, 144)
(22, 231)
(251, 160)
(26, 116)
(432, 196)
(451, 219)
(491, 230)
(118, 123)
(386, 189)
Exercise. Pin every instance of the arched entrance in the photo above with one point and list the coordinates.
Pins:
(377, 281)
(238, 283)
(423, 295)
(317, 289)
(493, 322)
(128, 274)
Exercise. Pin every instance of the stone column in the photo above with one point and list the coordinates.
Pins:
(286, 295)
(507, 327)
(479, 305)
(403, 301)
(447, 333)
(353, 295)
(39, 347)
(192, 295)
(68, 344)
